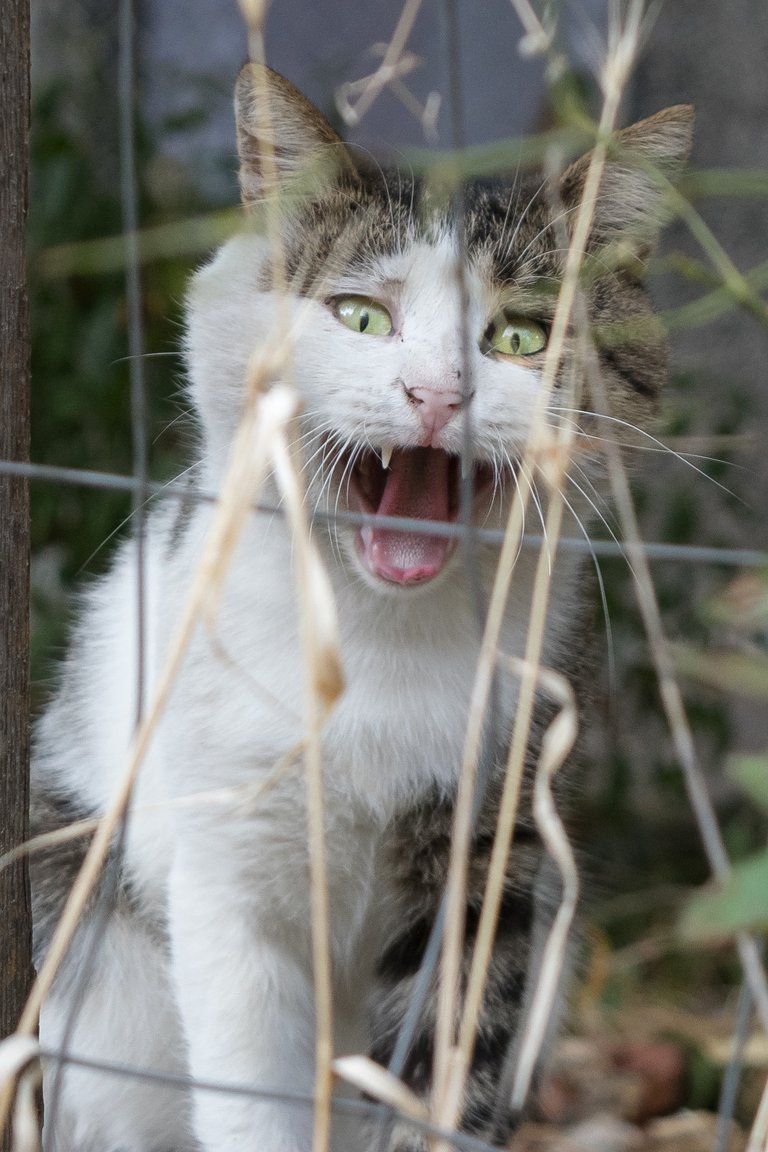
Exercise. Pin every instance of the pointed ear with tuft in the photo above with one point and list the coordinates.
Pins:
(630, 206)
(282, 139)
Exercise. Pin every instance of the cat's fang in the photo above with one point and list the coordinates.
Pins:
(386, 455)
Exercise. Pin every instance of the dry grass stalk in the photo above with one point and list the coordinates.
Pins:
(449, 1082)
(324, 675)
(468, 775)
(244, 795)
(49, 840)
(733, 280)
(264, 413)
(455, 1068)
(537, 40)
(26, 1127)
(319, 635)
(369, 1077)
(323, 685)
(392, 67)
(17, 1054)
(253, 12)
(494, 889)
(557, 742)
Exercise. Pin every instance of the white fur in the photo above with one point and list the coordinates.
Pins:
(233, 874)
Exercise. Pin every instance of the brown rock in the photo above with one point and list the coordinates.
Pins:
(660, 1069)
(601, 1133)
(689, 1132)
(633, 1080)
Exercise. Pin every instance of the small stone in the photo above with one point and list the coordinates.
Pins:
(689, 1132)
(602, 1133)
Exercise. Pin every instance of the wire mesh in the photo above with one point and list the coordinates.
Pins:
(443, 948)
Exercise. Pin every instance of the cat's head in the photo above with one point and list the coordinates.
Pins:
(406, 364)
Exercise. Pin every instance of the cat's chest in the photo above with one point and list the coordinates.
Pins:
(400, 727)
(409, 668)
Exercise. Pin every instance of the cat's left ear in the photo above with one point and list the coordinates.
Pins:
(281, 137)
(631, 202)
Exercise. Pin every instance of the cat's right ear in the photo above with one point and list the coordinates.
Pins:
(282, 139)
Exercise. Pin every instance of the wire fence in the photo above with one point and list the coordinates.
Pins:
(264, 444)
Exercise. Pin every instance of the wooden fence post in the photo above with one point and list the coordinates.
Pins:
(15, 917)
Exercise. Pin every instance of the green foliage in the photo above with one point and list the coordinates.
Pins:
(741, 901)
(751, 772)
(80, 404)
(742, 672)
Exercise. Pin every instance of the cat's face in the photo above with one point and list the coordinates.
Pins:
(420, 336)
(381, 364)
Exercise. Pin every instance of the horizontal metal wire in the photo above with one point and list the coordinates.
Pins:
(180, 490)
(180, 1083)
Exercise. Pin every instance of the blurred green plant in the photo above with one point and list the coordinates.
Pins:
(741, 901)
(80, 403)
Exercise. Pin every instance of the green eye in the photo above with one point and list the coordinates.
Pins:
(515, 336)
(363, 315)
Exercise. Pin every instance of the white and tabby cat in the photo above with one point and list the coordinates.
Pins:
(204, 966)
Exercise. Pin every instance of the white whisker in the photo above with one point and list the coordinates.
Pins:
(659, 445)
(537, 502)
(603, 595)
(603, 521)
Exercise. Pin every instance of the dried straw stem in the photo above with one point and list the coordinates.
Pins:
(557, 742)
(264, 413)
(389, 68)
(323, 685)
(450, 1071)
(494, 889)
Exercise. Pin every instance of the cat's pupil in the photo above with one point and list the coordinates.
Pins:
(516, 342)
(364, 318)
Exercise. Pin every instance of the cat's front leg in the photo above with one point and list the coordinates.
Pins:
(419, 878)
(245, 1000)
(482, 1113)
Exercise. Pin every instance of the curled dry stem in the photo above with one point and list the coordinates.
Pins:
(557, 742)
(371, 1078)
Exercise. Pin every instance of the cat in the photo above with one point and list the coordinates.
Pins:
(203, 965)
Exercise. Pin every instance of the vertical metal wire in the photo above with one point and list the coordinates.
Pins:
(129, 197)
(107, 894)
(468, 534)
(726, 1104)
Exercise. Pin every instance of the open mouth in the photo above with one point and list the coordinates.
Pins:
(417, 483)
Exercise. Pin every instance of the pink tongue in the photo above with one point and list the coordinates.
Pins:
(417, 485)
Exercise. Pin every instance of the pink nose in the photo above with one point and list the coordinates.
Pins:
(435, 408)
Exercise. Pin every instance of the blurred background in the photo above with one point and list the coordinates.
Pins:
(641, 848)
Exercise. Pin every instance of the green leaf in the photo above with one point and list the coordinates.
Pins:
(743, 672)
(751, 773)
(741, 902)
(742, 604)
(188, 237)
